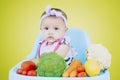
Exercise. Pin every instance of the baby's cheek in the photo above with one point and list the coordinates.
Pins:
(44, 37)
(58, 36)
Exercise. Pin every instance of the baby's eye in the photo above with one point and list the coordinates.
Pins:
(56, 28)
(46, 28)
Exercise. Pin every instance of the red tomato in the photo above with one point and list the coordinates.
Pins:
(81, 74)
(80, 69)
(32, 73)
(28, 65)
(24, 72)
(19, 71)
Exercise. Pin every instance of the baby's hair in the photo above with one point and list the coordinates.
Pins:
(56, 9)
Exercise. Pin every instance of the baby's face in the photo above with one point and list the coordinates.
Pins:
(53, 28)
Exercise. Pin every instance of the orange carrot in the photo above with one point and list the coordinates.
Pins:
(73, 73)
(74, 65)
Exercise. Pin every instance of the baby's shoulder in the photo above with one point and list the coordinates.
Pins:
(65, 43)
(66, 40)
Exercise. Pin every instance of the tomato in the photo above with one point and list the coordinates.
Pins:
(28, 65)
(80, 69)
(24, 72)
(81, 74)
(19, 71)
(32, 73)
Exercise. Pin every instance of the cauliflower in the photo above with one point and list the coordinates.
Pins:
(99, 53)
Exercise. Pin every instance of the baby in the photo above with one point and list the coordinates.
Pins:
(53, 26)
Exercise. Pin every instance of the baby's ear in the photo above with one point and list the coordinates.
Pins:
(40, 28)
(66, 29)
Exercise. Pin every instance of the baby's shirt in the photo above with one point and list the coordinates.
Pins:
(44, 47)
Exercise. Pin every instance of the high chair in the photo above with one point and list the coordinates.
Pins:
(79, 41)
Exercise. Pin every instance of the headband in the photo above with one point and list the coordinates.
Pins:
(50, 12)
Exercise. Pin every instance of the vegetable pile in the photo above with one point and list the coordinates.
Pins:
(51, 65)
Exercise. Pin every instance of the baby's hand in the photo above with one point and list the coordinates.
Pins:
(63, 50)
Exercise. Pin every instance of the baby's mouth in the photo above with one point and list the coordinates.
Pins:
(50, 37)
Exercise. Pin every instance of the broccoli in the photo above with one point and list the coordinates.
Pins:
(51, 65)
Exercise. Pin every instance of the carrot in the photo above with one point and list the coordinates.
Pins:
(73, 73)
(74, 65)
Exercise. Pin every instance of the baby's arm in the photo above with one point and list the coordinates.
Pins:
(63, 50)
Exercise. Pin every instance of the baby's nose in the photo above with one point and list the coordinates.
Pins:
(50, 32)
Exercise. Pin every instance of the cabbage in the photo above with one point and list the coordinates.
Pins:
(51, 65)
